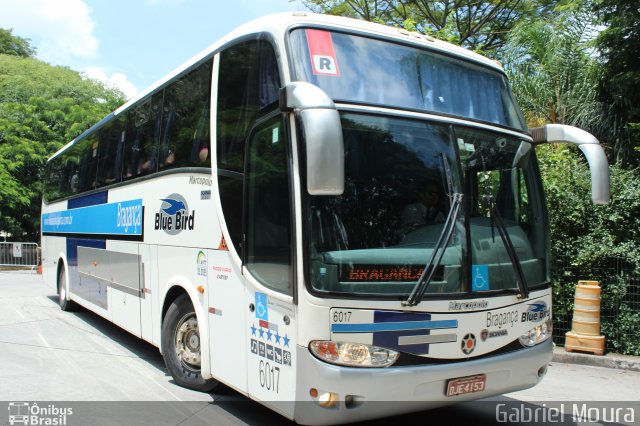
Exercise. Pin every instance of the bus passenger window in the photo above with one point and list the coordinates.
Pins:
(70, 174)
(185, 136)
(141, 138)
(88, 164)
(110, 152)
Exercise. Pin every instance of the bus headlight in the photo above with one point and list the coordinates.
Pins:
(538, 334)
(353, 354)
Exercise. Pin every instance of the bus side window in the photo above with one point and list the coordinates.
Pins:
(57, 179)
(70, 179)
(88, 164)
(185, 137)
(110, 152)
(141, 138)
(247, 89)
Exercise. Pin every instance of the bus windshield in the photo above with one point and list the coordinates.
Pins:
(401, 177)
(358, 69)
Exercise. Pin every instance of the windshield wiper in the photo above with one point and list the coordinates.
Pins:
(437, 253)
(495, 219)
(523, 288)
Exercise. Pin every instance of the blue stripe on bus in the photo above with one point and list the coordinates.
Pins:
(120, 218)
(390, 339)
(393, 326)
(88, 200)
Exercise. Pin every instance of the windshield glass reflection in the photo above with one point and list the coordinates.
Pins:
(359, 69)
(377, 237)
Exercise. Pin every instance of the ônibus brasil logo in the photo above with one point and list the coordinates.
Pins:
(27, 413)
(174, 216)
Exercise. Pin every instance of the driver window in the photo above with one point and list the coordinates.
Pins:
(268, 207)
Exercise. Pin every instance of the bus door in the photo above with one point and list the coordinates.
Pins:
(254, 188)
(268, 266)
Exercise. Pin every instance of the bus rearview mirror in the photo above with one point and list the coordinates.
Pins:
(322, 134)
(590, 147)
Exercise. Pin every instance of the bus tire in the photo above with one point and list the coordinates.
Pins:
(63, 298)
(181, 346)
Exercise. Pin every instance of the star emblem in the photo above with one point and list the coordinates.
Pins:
(277, 336)
(253, 330)
(261, 331)
(269, 334)
(286, 340)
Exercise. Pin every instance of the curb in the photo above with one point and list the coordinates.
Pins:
(610, 360)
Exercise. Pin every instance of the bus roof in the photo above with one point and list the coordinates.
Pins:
(278, 24)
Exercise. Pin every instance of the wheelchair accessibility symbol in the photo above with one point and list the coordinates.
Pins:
(262, 313)
(480, 277)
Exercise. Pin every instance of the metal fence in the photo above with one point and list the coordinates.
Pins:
(18, 255)
(620, 302)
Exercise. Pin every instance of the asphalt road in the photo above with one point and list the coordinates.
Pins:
(80, 362)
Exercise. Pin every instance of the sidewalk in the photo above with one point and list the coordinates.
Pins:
(610, 360)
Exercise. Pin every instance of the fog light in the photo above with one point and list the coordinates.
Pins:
(327, 399)
(542, 371)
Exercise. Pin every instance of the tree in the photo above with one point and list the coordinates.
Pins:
(478, 25)
(556, 75)
(619, 89)
(41, 108)
(14, 45)
(588, 240)
(553, 72)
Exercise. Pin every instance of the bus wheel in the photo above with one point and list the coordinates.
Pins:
(181, 346)
(65, 304)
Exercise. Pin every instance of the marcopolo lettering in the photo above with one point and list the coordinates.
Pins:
(200, 180)
(174, 215)
(468, 306)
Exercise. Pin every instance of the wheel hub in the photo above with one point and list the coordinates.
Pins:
(188, 341)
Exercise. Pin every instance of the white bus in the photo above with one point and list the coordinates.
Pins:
(321, 213)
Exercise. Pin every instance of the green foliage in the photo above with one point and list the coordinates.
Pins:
(590, 234)
(41, 108)
(480, 26)
(619, 46)
(592, 238)
(558, 76)
(553, 71)
(14, 45)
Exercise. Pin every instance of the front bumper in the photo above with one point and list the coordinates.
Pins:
(381, 392)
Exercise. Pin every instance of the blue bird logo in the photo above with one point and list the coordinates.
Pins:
(537, 307)
(174, 206)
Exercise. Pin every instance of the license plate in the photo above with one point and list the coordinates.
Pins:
(464, 385)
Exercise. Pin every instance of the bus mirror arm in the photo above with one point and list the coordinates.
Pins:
(322, 135)
(590, 147)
